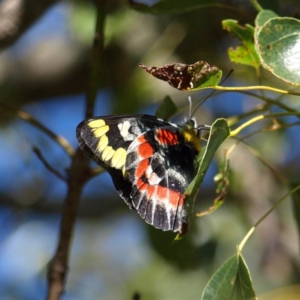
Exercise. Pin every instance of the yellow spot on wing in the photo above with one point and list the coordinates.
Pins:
(119, 158)
(107, 153)
(98, 127)
(98, 132)
(102, 144)
(96, 123)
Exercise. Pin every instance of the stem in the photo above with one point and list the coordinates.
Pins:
(258, 118)
(246, 124)
(245, 239)
(235, 119)
(255, 87)
(256, 5)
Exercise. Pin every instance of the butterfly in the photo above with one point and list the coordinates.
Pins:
(151, 161)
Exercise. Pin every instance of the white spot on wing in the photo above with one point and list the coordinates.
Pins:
(154, 179)
(124, 127)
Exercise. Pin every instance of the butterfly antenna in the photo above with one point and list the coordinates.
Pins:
(191, 115)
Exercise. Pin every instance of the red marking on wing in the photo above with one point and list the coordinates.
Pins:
(141, 168)
(175, 198)
(144, 186)
(166, 137)
(145, 150)
(141, 139)
(151, 190)
(141, 185)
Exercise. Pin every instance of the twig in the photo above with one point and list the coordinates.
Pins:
(22, 114)
(259, 118)
(47, 165)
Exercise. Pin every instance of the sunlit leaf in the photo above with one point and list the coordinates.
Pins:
(244, 53)
(278, 46)
(171, 6)
(166, 109)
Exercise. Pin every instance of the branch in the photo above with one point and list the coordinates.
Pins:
(78, 176)
(80, 172)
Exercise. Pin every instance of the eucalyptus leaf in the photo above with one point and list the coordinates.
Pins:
(221, 285)
(231, 281)
(243, 285)
(278, 46)
(264, 16)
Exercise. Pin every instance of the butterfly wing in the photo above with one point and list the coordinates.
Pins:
(150, 161)
(106, 140)
(160, 166)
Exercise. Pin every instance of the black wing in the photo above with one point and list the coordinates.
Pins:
(105, 140)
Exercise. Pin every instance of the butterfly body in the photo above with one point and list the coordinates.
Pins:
(151, 162)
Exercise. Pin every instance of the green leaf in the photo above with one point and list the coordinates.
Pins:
(231, 282)
(166, 109)
(171, 6)
(263, 17)
(222, 283)
(218, 134)
(277, 44)
(210, 80)
(243, 285)
(245, 53)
